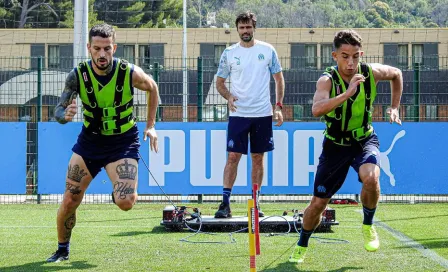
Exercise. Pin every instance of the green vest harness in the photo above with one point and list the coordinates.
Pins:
(107, 109)
(352, 119)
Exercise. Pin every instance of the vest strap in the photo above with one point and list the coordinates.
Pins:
(113, 124)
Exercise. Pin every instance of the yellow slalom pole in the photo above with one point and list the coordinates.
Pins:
(251, 231)
(256, 221)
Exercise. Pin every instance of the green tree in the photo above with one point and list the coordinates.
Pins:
(161, 14)
(402, 18)
(5, 15)
(68, 17)
(225, 16)
(421, 8)
(193, 18)
(440, 14)
(383, 10)
(27, 11)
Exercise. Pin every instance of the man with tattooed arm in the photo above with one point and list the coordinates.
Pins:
(109, 137)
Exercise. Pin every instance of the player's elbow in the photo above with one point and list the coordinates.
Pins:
(397, 74)
(59, 114)
(316, 111)
(219, 84)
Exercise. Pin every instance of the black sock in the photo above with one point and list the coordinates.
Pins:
(368, 215)
(226, 192)
(64, 246)
(304, 237)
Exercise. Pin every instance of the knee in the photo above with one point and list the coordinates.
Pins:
(370, 181)
(233, 158)
(317, 206)
(127, 203)
(71, 201)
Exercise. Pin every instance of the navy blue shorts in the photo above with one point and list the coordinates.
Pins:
(99, 150)
(258, 128)
(335, 161)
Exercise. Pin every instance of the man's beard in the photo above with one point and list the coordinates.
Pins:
(103, 68)
(246, 38)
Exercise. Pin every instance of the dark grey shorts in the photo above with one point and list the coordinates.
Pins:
(335, 161)
(100, 150)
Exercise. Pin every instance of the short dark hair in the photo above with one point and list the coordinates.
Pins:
(102, 30)
(245, 18)
(347, 36)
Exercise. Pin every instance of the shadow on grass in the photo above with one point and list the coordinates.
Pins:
(130, 233)
(411, 218)
(161, 230)
(431, 243)
(285, 267)
(116, 220)
(45, 267)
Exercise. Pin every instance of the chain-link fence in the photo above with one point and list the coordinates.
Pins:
(30, 89)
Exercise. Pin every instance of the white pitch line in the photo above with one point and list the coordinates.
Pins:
(412, 243)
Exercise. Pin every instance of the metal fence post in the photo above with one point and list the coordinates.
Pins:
(39, 119)
(200, 88)
(417, 91)
(156, 79)
(200, 102)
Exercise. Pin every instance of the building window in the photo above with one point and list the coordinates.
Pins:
(410, 113)
(60, 56)
(431, 112)
(129, 53)
(211, 55)
(218, 52)
(311, 55)
(417, 53)
(145, 56)
(53, 56)
(326, 57)
(149, 54)
(403, 55)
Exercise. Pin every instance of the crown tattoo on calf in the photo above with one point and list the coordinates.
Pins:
(126, 170)
(75, 173)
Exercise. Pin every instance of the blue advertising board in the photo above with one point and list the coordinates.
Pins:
(192, 157)
(13, 147)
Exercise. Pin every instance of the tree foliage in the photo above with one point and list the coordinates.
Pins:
(270, 13)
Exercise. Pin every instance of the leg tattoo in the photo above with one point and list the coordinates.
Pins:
(123, 190)
(69, 224)
(75, 173)
(74, 190)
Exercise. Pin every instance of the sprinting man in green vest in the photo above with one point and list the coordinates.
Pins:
(109, 138)
(344, 97)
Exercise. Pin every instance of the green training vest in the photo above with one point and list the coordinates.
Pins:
(352, 120)
(108, 109)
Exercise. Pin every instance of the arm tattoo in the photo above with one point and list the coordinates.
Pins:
(69, 93)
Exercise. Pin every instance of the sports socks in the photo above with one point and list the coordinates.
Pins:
(304, 237)
(64, 246)
(226, 192)
(368, 215)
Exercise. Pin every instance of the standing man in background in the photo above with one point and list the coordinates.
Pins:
(109, 138)
(249, 64)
